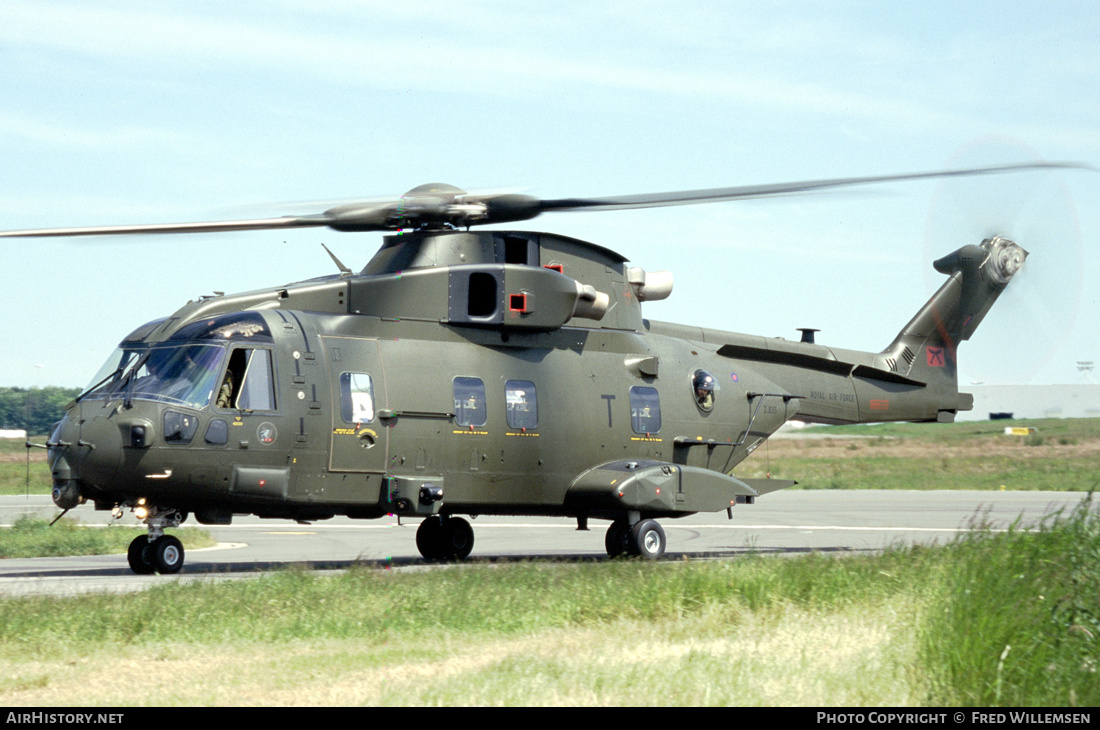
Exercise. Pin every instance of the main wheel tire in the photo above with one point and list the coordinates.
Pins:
(429, 538)
(617, 539)
(167, 554)
(458, 538)
(647, 540)
(140, 556)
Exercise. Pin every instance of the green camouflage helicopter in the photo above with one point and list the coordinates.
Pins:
(490, 372)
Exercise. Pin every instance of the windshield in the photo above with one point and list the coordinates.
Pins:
(130, 349)
(183, 374)
(105, 380)
(178, 374)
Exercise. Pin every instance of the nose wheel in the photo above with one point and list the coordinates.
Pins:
(155, 552)
(162, 555)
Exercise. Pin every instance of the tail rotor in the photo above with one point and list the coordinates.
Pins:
(1037, 312)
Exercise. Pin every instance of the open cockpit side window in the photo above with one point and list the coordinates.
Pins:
(249, 381)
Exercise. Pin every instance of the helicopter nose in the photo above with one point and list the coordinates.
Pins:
(83, 457)
(67, 491)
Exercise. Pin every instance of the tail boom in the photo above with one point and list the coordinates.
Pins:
(916, 377)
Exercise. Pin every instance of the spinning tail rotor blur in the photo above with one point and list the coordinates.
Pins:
(1039, 308)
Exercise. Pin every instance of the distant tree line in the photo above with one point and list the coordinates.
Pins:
(34, 409)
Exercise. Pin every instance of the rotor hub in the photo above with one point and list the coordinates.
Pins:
(1005, 258)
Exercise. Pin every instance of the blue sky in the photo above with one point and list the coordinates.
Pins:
(140, 112)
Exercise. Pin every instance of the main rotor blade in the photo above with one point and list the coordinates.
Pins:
(744, 192)
(440, 206)
(208, 227)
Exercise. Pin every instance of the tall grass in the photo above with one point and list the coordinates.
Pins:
(1017, 618)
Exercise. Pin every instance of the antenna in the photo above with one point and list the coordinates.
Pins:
(344, 270)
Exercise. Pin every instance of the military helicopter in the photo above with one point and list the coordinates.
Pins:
(493, 372)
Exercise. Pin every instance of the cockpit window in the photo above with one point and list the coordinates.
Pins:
(182, 375)
(144, 331)
(249, 382)
(105, 380)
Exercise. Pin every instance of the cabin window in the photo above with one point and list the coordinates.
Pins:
(704, 388)
(249, 382)
(470, 402)
(645, 409)
(356, 398)
(522, 405)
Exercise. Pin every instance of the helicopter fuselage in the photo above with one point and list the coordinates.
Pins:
(475, 373)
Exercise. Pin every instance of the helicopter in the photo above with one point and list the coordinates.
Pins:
(480, 372)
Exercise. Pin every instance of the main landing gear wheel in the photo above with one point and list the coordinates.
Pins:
(617, 539)
(646, 539)
(445, 538)
(163, 555)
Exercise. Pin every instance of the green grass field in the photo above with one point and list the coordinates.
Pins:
(993, 620)
(1008, 619)
(1062, 455)
(23, 470)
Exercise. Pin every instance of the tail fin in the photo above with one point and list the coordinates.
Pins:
(925, 349)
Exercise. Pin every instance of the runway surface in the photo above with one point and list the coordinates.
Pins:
(782, 523)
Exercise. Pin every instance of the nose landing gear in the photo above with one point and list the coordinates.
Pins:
(149, 555)
(156, 552)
